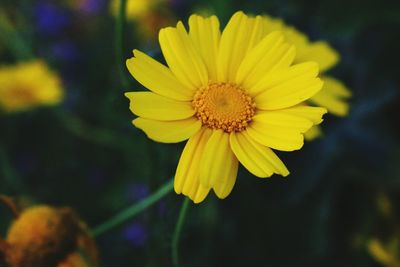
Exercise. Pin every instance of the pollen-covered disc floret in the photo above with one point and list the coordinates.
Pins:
(224, 106)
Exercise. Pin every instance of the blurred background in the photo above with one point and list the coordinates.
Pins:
(339, 207)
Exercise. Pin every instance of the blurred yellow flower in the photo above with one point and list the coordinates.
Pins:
(334, 93)
(149, 15)
(234, 95)
(47, 236)
(135, 9)
(74, 260)
(27, 85)
(388, 254)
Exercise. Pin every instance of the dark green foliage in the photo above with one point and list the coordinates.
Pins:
(86, 154)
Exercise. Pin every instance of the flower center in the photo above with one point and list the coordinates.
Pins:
(224, 106)
(22, 94)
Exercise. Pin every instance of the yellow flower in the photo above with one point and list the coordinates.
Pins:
(334, 93)
(27, 85)
(48, 236)
(149, 16)
(385, 253)
(74, 260)
(135, 9)
(234, 95)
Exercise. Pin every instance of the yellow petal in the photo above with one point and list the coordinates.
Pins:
(320, 52)
(152, 106)
(313, 114)
(384, 253)
(272, 24)
(240, 34)
(205, 34)
(187, 173)
(313, 133)
(168, 131)
(304, 71)
(182, 57)
(157, 77)
(224, 188)
(333, 96)
(279, 130)
(258, 159)
(217, 159)
(287, 87)
(270, 53)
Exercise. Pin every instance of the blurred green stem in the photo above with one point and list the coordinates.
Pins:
(133, 210)
(81, 129)
(13, 40)
(177, 232)
(7, 171)
(119, 43)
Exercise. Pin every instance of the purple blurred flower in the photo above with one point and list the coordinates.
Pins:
(92, 6)
(136, 234)
(50, 19)
(66, 51)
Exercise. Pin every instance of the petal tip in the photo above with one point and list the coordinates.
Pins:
(129, 95)
(197, 201)
(177, 190)
(285, 173)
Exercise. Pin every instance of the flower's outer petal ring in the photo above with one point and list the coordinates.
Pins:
(205, 34)
(258, 159)
(333, 96)
(217, 159)
(187, 173)
(320, 52)
(288, 87)
(157, 77)
(224, 188)
(280, 130)
(152, 106)
(240, 35)
(269, 54)
(313, 133)
(182, 57)
(168, 131)
(314, 114)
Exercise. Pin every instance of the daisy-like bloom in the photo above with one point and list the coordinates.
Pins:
(28, 85)
(334, 94)
(234, 95)
(47, 236)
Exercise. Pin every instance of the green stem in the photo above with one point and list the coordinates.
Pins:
(7, 171)
(13, 40)
(177, 232)
(134, 209)
(119, 42)
(83, 130)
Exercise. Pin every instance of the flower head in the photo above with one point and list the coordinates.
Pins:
(50, 18)
(135, 8)
(28, 85)
(48, 236)
(149, 15)
(334, 93)
(234, 95)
